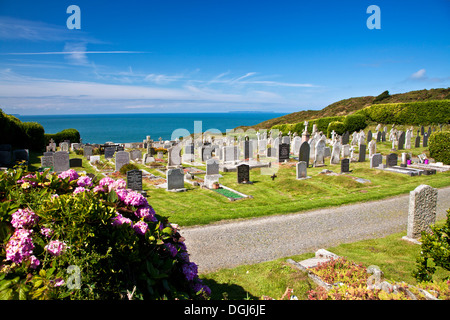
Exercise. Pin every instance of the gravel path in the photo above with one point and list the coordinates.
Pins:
(263, 239)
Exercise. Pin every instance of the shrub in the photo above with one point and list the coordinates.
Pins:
(439, 146)
(435, 251)
(355, 122)
(35, 135)
(128, 167)
(337, 126)
(381, 97)
(68, 237)
(67, 134)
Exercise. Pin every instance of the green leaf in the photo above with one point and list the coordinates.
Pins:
(112, 196)
(6, 294)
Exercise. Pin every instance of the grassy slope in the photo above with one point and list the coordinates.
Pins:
(348, 106)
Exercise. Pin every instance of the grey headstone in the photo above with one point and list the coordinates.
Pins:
(47, 161)
(401, 141)
(422, 210)
(175, 179)
(422, 130)
(212, 167)
(20, 155)
(376, 160)
(383, 136)
(122, 158)
(301, 168)
(346, 138)
(425, 140)
(135, 155)
(5, 158)
(61, 161)
(362, 153)
(304, 152)
(109, 152)
(243, 173)
(417, 142)
(369, 136)
(391, 160)
(87, 152)
(134, 180)
(319, 153)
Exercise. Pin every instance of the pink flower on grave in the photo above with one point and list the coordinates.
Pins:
(122, 194)
(24, 218)
(140, 227)
(56, 247)
(118, 184)
(84, 181)
(34, 262)
(71, 174)
(98, 189)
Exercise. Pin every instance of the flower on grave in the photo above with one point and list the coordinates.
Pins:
(84, 181)
(122, 194)
(19, 246)
(34, 262)
(24, 218)
(71, 174)
(118, 184)
(55, 247)
(98, 189)
(106, 181)
(140, 227)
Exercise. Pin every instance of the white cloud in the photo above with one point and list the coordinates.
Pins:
(419, 75)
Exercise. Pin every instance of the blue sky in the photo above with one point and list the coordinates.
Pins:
(215, 55)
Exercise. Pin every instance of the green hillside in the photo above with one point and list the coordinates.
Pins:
(351, 105)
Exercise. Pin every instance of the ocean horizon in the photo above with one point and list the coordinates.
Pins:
(135, 127)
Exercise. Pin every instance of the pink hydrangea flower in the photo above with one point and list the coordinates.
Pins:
(34, 262)
(120, 219)
(19, 246)
(106, 181)
(47, 232)
(84, 181)
(79, 189)
(71, 174)
(98, 189)
(122, 194)
(140, 227)
(24, 218)
(147, 213)
(135, 199)
(56, 247)
(118, 184)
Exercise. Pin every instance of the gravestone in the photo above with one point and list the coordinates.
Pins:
(230, 153)
(372, 148)
(174, 156)
(109, 152)
(345, 151)
(175, 179)
(64, 146)
(319, 153)
(301, 168)
(262, 147)
(417, 142)
(327, 152)
(369, 136)
(283, 152)
(206, 153)
(5, 158)
(304, 152)
(75, 162)
(376, 160)
(425, 140)
(135, 155)
(362, 153)
(61, 161)
(94, 159)
(122, 158)
(408, 139)
(383, 136)
(345, 138)
(336, 153)
(391, 160)
(422, 130)
(379, 136)
(243, 173)
(134, 180)
(87, 152)
(20, 155)
(345, 165)
(5, 147)
(212, 167)
(47, 161)
(401, 141)
(271, 152)
(422, 210)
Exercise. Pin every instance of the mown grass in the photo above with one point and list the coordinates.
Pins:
(393, 255)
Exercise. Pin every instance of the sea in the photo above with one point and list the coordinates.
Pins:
(123, 128)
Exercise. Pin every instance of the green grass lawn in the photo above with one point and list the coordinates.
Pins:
(283, 195)
(394, 256)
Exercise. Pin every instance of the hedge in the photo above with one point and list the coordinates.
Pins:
(28, 135)
(337, 126)
(410, 113)
(439, 146)
(67, 134)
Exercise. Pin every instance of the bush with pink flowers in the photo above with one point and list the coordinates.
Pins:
(51, 225)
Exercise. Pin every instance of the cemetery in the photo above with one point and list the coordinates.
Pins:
(260, 174)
